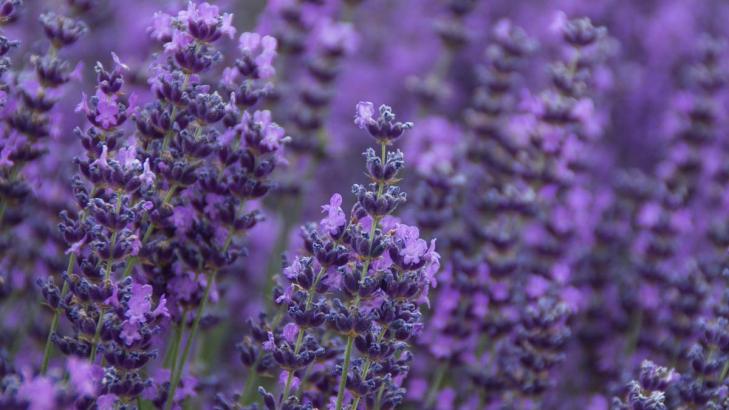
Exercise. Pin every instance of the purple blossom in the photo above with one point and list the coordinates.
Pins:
(364, 114)
(38, 392)
(260, 49)
(147, 176)
(84, 376)
(290, 331)
(335, 219)
(413, 248)
(107, 401)
(107, 110)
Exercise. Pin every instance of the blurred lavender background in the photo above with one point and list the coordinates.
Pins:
(569, 156)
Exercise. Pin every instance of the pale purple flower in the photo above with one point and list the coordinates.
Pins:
(136, 244)
(229, 77)
(117, 62)
(107, 109)
(187, 388)
(161, 28)
(183, 217)
(39, 392)
(161, 309)
(77, 74)
(147, 175)
(286, 295)
(83, 106)
(205, 12)
(414, 247)
(262, 50)
(10, 145)
(180, 40)
(127, 156)
(113, 300)
(293, 270)
(140, 303)
(283, 377)
(335, 218)
(83, 375)
(559, 22)
(364, 114)
(76, 247)
(226, 26)
(273, 136)
(649, 214)
(182, 286)
(107, 401)
(337, 35)
(270, 344)
(130, 332)
(290, 332)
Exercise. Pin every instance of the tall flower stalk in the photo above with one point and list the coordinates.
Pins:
(351, 301)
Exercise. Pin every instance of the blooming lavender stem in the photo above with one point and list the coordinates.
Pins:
(363, 274)
(56, 311)
(300, 336)
(54, 319)
(345, 370)
(134, 260)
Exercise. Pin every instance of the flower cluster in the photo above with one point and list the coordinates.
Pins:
(28, 97)
(357, 287)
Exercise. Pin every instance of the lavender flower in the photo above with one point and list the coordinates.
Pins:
(364, 278)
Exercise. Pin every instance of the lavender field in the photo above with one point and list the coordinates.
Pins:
(364, 205)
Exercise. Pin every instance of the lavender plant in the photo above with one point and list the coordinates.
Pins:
(358, 286)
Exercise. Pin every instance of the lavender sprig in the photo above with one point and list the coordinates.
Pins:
(364, 278)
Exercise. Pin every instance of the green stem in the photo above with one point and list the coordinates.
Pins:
(363, 274)
(3, 207)
(366, 367)
(54, 320)
(290, 377)
(171, 361)
(300, 336)
(435, 385)
(724, 372)
(177, 374)
(345, 371)
(179, 366)
(378, 401)
(634, 335)
(97, 335)
(245, 398)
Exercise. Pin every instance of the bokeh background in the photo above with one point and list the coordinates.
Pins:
(395, 52)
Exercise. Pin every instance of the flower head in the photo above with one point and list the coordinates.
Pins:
(335, 219)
